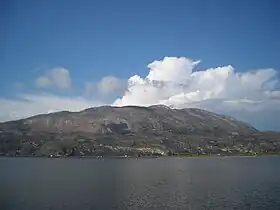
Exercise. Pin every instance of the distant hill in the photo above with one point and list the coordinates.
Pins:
(133, 131)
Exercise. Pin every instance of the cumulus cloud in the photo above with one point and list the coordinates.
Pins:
(174, 82)
(43, 81)
(31, 104)
(250, 96)
(107, 88)
(58, 77)
(110, 85)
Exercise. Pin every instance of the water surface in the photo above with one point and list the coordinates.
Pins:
(162, 183)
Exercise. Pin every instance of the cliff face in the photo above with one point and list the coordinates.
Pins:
(127, 130)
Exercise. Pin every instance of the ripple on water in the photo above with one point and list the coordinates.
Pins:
(167, 183)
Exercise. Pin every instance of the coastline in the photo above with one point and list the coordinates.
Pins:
(142, 157)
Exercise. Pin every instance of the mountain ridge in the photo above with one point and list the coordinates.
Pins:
(133, 131)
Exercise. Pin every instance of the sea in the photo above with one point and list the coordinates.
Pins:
(136, 183)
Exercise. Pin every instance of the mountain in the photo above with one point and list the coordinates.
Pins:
(133, 131)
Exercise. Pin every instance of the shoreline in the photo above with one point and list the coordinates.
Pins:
(142, 157)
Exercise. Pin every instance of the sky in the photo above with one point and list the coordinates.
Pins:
(222, 56)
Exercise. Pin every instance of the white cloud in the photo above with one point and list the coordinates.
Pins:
(108, 88)
(249, 96)
(171, 69)
(43, 82)
(110, 85)
(173, 82)
(273, 94)
(58, 77)
(30, 104)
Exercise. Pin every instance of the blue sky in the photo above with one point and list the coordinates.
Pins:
(96, 39)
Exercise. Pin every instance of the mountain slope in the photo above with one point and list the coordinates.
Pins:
(128, 130)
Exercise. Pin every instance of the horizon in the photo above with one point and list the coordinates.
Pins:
(221, 57)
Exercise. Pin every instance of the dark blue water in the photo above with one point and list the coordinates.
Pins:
(164, 183)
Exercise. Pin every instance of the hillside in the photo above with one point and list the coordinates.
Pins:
(133, 131)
